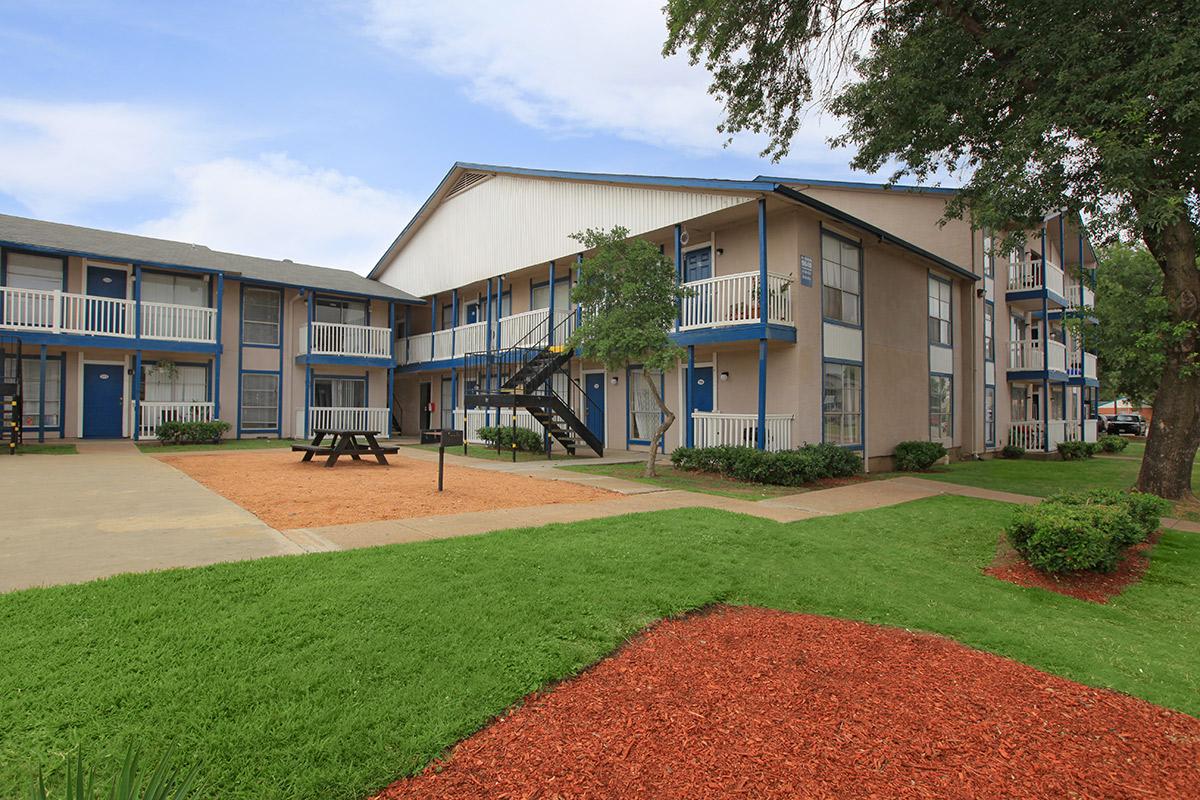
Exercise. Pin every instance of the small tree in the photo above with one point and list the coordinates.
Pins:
(630, 297)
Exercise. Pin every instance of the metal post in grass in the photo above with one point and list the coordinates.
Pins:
(514, 434)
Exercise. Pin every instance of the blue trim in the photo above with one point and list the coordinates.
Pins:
(278, 429)
(989, 334)
(310, 311)
(242, 322)
(689, 435)
(6, 248)
(762, 265)
(949, 377)
(324, 295)
(862, 400)
(217, 356)
(761, 434)
(137, 393)
(354, 361)
(113, 342)
(887, 187)
(735, 333)
(629, 412)
(391, 370)
(857, 244)
(678, 273)
(950, 285)
(62, 390)
(42, 394)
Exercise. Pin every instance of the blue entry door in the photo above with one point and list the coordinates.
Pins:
(102, 401)
(697, 264)
(594, 386)
(472, 313)
(702, 389)
(106, 282)
(107, 317)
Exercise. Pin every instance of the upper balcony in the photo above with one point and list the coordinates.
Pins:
(1031, 282)
(39, 311)
(338, 342)
(728, 300)
(1027, 359)
(456, 342)
(1079, 296)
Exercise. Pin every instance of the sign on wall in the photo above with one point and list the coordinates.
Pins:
(806, 270)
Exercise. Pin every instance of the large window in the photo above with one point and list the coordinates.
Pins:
(941, 408)
(841, 267)
(185, 383)
(644, 413)
(27, 271)
(447, 317)
(939, 311)
(183, 290)
(260, 316)
(31, 391)
(989, 416)
(330, 392)
(1018, 409)
(842, 405)
(260, 401)
(989, 257)
(989, 332)
(349, 312)
(562, 295)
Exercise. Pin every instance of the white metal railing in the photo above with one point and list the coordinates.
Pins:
(1031, 434)
(347, 418)
(1089, 365)
(1081, 363)
(1026, 354)
(514, 328)
(1089, 430)
(1057, 352)
(1073, 298)
(734, 300)
(470, 338)
(443, 344)
(713, 429)
(154, 413)
(178, 323)
(64, 312)
(1026, 275)
(341, 339)
(477, 418)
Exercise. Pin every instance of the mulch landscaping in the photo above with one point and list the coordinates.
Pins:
(1096, 587)
(747, 702)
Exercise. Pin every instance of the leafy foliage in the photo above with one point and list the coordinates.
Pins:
(806, 464)
(178, 432)
(915, 456)
(132, 782)
(504, 436)
(1056, 537)
(1074, 451)
(1146, 510)
(1112, 444)
(1012, 451)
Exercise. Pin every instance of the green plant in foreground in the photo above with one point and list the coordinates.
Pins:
(916, 456)
(1113, 444)
(1012, 451)
(164, 782)
(195, 432)
(1056, 537)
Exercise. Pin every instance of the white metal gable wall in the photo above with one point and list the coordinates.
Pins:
(509, 222)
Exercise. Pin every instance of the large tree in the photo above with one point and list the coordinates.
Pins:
(1092, 106)
(629, 296)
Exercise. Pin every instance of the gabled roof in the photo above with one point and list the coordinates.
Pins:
(899, 188)
(55, 237)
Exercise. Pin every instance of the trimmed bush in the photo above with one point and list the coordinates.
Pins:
(806, 464)
(177, 432)
(502, 436)
(1012, 451)
(916, 456)
(1113, 444)
(1056, 537)
(1145, 510)
(1075, 451)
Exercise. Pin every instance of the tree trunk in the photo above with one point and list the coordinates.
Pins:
(1175, 427)
(668, 420)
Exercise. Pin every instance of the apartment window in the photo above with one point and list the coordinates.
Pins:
(27, 271)
(989, 257)
(506, 304)
(187, 384)
(841, 266)
(260, 316)
(1018, 409)
(340, 392)
(989, 416)
(182, 290)
(540, 297)
(644, 413)
(260, 401)
(447, 317)
(989, 332)
(939, 311)
(941, 407)
(348, 312)
(842, 405)
(31, 391)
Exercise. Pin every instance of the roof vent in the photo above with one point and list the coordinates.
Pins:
(466, 181)
(287, 261)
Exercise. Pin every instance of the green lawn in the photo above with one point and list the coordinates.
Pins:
(43, 449)
(330, 675)
(479, 451)
(227, 444)
(671, 478)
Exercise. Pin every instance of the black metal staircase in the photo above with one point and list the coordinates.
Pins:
(11, 402)
(534, 374)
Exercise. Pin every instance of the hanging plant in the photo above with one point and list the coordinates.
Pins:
(166, 369)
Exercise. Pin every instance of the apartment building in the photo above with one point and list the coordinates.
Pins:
(117, 333)
(819, 311)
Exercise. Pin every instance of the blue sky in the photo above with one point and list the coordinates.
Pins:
(313, 130)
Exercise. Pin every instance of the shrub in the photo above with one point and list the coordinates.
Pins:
(503, 436)
(1145, 510)
(133, 782)
(1112, 444)
(1074, 451)
(1012, 451)
(916, 456)
(1056, 537)
(179, 432)
(806, 464)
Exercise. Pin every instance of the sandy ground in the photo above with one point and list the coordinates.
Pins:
(287, 493)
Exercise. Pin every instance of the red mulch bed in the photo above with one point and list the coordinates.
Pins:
(1097, 587)
(751, 703)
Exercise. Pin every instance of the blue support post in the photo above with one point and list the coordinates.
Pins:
(216, 379)
(433, 307)
(550, 322)
(137, 392)
(407, 332)
(689, 401)
(761, 438)
(391, 370)
(42, 393)
(308, 369)
(487, 377)
(579, 309)
(1045, 350)
(678, 272)
(137, 371)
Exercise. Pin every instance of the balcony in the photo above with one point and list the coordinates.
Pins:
(1082, 364)
(348, 341)
(1029, 279)
(1031, 434)
(713, 429)
(1076, 302)
(458, 341)
(57, 312)
(345, 418)
(1026, 356)
(153, 414)
(734, 300)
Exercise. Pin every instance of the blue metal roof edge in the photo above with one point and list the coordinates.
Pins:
(889, 187)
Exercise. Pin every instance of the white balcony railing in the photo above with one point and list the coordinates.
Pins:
(476, 418)
(1026, 355)
(1081, 364)
(473, 338)
(66, 312)
(470, 338)
(153, 413)
(346, 418)
(1032, 275)
(734, 300)
(341, 339)
(1031, 434)
(713, 429)
(443, 344)
(179, 323)
(1074, 302)
(515, 328)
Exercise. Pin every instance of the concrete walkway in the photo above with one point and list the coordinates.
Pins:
(112, 509)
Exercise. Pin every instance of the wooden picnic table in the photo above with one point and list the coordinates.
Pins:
(343, 442)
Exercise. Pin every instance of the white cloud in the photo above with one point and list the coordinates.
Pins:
(279, 208)
(572, 67)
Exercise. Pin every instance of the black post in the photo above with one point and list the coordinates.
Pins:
(441, 461)
(514, 434)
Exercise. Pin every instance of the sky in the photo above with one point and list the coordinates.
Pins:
(314, 130)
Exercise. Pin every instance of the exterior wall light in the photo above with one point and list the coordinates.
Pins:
(613, 380)
(724, 376)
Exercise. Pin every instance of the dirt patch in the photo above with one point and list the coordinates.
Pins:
(286, 493)
(763, 704)
(1096, 587)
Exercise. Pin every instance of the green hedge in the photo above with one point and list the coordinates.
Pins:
(503, 436)
(1113, 444)
(1146, 510)
(1012, 451)
(1075, 451)
(176, 432)
(916, 456)
(809, 463)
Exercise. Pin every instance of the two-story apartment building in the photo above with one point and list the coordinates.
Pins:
(818, 312)
(118, 333)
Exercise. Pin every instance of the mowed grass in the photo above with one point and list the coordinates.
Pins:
(42, 449)
(479, 451)
(227, 444)
(671, 478)
(330, 675)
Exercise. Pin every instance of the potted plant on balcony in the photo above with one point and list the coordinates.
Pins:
(749, 310)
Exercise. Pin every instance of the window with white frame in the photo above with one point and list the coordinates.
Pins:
(178, 383)
(339, 392)
(447, 317)
(989, 332)
(989, 416)
(260, 316)
(540, 297)
(939, 311)
(841, 273)
(182, 290)
(644, 413)
(842, 405)
(31, 391)
(29, 271)
(941, 408)
(989, 257)
(1018, 404)
(260, 401)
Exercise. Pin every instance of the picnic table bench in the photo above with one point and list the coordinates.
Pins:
(344, 442)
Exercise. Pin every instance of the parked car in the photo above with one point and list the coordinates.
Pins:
(1127, 423)
(1101, 423)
